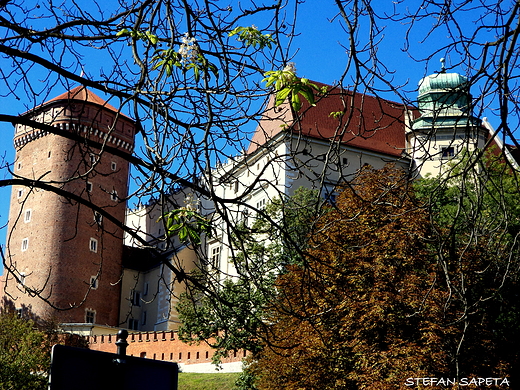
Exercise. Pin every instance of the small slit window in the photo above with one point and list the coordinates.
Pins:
(25, 244)
(93, 245)
(27, 216)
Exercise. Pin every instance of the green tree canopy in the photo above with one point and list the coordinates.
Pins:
(24, 354)
(263, 250)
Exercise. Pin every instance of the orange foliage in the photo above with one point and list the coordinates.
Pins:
(363, 312)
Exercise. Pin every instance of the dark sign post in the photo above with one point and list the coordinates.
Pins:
(83, 369)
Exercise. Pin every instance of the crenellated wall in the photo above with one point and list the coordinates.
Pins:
(162, 346)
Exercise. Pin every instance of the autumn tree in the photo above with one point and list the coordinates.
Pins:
(372, 306)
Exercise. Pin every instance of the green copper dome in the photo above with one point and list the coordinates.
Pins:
(444, 101)
(442, 82)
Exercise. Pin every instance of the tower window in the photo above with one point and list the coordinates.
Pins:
(113, 165)
(21, 279)
(448, 152)
(113, 195)
(90, 316)
(27, 216)
(20, 192)
(25, 244)
(98, 218)
(89, 186)
(93, 245)
(94, 282)
(19, 166)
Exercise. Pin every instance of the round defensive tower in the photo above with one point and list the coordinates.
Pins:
(64, 259)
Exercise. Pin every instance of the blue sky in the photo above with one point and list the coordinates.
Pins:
(320, 56)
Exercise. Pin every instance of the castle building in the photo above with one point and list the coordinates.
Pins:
(61, 250)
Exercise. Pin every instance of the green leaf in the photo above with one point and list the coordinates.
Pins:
(281, 96)
(123, 32)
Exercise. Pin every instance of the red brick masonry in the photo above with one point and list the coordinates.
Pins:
(161, 346)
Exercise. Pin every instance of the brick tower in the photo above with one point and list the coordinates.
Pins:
(63, 260)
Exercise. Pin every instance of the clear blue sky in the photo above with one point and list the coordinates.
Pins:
(320, 57)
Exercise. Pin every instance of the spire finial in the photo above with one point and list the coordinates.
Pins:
(443, 65)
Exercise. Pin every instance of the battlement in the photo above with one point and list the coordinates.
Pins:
(162, 345)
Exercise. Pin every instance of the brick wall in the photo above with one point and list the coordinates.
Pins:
(161, 346)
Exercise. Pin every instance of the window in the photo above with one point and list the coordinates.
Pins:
(93, 246)
(27, 216)
(21, 279)
(90, 316)
(215, 257)
(49, 154)
(89, 186)
(136, 298)
(113, 165)
(98, 218)
(448, 152)
(19, 166)
(20, 192)
(94, 282)
(260, 205)
(133, 324)
(113, 195)
(25, 244)
(93, 158)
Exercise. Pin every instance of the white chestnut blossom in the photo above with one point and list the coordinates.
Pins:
(189, 50)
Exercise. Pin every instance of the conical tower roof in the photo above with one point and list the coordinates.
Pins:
(81, 93)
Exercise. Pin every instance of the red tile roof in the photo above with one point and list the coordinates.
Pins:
(367, 122)
(83, 94)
